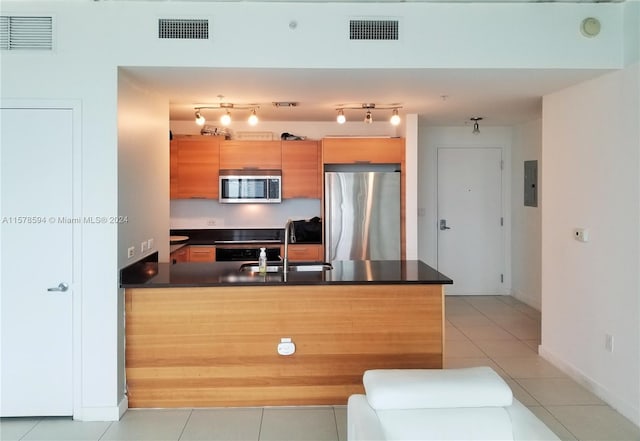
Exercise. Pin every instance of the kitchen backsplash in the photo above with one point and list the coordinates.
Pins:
(202, 213)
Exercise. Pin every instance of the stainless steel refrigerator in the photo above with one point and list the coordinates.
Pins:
(362, 215)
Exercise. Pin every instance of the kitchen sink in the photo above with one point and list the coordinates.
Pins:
(293, 267)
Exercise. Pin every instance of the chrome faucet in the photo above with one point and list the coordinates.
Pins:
(285, 263)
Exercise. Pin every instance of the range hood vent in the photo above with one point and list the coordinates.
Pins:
(26, 33)
(373, 29)
(187, 29)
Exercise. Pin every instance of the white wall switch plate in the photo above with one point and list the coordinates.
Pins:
(581, 234)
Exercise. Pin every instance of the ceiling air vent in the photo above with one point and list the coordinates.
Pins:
(195, 29)
(26, 32)
(373, 30)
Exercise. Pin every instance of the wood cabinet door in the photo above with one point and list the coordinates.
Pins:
(198, 167)
(301, 175)
(306, 252)
(235, 155)
(180, 255)
(363, 150)
(202, 253)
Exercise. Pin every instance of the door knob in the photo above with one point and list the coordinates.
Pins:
(443, 224)
(62, 287)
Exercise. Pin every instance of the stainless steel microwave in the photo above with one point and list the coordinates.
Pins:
(250, 186)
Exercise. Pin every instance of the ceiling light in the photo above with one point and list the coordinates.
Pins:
(253, 118)
(225, 119)
(476, 126)
(369, 107)
(199, 118)
(395, 118)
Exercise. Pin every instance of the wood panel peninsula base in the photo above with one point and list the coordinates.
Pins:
(217, 345)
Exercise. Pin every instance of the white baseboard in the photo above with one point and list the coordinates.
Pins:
(109, 413)
(629, 410)
(529, 300)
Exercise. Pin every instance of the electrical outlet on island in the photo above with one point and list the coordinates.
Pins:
(213, 222)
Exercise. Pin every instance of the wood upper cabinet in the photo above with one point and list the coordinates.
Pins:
(301, 169)
(196, 167)
(363, 150)
(236, 155)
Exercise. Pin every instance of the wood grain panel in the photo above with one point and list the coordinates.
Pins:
(300, 169)
(368, 150)
(250, 154)
(217, 346)
(197, 167)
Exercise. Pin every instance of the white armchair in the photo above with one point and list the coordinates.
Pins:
(433, 404)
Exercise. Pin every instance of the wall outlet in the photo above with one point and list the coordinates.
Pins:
(131, 251)
(143, 246)
(212, 222)
(608, 342)
(150, 244)
(581, 234)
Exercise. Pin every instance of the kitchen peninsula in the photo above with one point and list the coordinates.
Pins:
(206, 334)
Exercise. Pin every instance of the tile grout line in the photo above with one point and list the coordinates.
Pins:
(185, 425)
(335, 422)
(105, 430)
(515, 379)
(260, 427)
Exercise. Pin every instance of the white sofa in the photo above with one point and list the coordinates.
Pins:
(434, 404)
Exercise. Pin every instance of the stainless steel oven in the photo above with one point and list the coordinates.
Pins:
(235, 253)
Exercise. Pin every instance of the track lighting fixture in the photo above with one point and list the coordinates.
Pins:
(199, 118)
(253, 118)
(476, 126)
(368, 117)
(225, 119)
(395, 118)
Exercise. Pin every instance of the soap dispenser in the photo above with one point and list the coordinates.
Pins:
(262, 261)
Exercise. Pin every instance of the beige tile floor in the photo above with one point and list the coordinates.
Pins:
(496, 331)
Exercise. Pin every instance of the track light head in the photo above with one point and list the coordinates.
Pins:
(253, 118)
(368, 117)
(341, 118)
(225, 119)
(199, 118)
(395, 118)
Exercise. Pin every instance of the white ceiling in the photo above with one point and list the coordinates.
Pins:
(501, 97)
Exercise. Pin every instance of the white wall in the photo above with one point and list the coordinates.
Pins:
(94, 39)
(143, 170)
(430, 140)
(526, 236)
(202, 213)
(590, 179)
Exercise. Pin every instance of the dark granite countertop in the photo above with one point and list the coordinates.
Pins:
(151, 274)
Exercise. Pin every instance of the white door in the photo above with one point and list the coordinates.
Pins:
(470, 232)
(36, 256)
